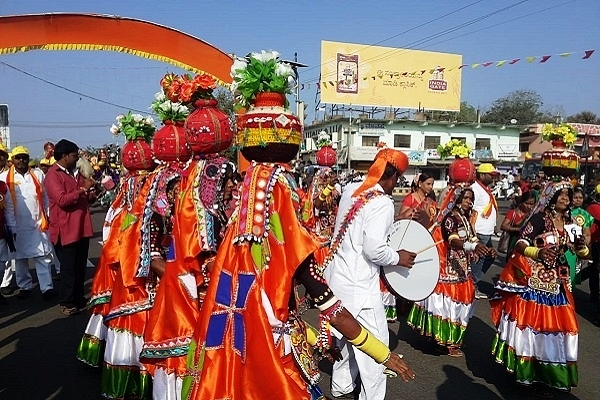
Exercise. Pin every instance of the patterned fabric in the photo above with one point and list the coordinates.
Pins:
(444, 315)
(231, 360)
(534, 313)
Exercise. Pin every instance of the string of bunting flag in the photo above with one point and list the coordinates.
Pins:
(418, 73)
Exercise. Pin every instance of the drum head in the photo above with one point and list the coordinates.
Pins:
(418, 282)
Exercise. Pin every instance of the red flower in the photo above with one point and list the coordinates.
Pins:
(205, 81)
(167, 80)
(186, 91)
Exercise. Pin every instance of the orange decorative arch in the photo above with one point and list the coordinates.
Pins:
(113, 33)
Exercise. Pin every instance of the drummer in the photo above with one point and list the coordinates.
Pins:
(359, 248)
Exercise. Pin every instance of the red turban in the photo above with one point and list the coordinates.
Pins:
(396, 158)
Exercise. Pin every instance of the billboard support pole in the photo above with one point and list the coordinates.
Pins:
(348, 141)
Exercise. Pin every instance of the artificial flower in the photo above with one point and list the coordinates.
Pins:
(186, 89)
(455, 148)
(260, 72)
(134, 126)
(168, 110)
(564, 132)
(323, 139)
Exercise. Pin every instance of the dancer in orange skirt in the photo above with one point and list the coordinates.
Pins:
(444, 315)
(534, 311)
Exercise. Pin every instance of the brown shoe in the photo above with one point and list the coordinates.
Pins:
(455, 352)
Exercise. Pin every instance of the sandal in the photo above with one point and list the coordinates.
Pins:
(455, 352)
(68, 311)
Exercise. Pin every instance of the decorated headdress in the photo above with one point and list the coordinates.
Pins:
(548, 193)
(326, 155)
(384, 156)
(267, 132)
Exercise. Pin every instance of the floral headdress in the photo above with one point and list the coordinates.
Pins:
(455, 148)
(323, 139)
(134, 126)
(260, 72)
(168, 110)
(186, 88)
(564, 132)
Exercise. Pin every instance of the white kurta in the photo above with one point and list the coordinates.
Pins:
(31, 241)
(353, 276)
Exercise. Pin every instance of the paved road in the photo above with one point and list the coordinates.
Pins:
(38, 344)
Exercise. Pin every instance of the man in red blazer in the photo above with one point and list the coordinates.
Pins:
(69, 194)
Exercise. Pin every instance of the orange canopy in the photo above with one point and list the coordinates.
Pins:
(113, 33)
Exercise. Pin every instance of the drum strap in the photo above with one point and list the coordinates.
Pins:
(358, 204)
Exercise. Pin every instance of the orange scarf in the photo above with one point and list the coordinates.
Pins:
(487, 211)
(10, 181)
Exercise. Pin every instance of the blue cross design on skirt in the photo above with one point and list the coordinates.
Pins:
(230, 305)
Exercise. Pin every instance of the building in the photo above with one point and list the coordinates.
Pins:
(497, 144)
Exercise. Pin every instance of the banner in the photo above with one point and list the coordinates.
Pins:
(390, 77)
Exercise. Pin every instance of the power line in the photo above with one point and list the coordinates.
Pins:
(413, 44)
(505, 22)
(408, 30)
(69, 90)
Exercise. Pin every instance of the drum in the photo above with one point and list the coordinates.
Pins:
(108, 182)
(418, 282)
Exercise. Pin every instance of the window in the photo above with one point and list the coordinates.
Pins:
(431, 142)
(370, 141)
(462, 139)
(402, 141)
(523, 147)
(482, 144)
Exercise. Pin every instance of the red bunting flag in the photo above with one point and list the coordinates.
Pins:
(487, 64)
(464, 65)
(302, 86)
(318, 86)
(514, 61)
(544, 59)
(588, 54)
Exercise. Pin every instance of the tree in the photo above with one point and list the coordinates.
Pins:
(584, 117)
(522, 105)
(225, 99)
(467, 113)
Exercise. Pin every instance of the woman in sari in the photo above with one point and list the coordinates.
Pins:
(515, 218)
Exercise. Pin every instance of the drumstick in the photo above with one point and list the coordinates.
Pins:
(404, 234)
(430, 246)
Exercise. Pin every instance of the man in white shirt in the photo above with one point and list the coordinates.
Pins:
(485, 225)
(365, 217)
(29, 205)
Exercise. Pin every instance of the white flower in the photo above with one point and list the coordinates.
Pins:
(114, 129)
(120, 117)
(238, 63)
(283, 69)
(265, 56)
(160, 96)
(137, 117)
(149, 120)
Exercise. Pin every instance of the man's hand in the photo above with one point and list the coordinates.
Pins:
(407, 258)
(481, 250)
(88, 183)
(400, 366)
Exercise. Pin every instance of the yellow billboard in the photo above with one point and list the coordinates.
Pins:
(374, 76)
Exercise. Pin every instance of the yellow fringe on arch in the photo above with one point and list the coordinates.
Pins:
(101, 47)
